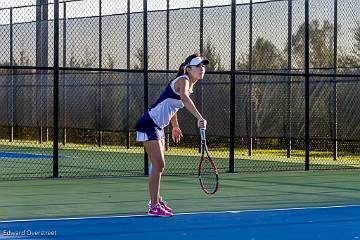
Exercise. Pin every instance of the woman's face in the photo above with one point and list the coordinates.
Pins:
(196, 72)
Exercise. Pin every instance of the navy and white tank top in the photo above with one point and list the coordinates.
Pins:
(167, 105)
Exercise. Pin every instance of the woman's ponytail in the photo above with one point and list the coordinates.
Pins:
(181, 70)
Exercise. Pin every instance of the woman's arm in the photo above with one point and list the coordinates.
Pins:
(174, 121)
(176, 133)
(183, 84)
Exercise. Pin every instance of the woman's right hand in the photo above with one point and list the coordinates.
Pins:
(202, 123)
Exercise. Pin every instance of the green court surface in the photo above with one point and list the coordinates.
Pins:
(54, 198)
(90, 161)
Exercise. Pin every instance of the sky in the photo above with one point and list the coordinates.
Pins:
(109, 7)
(156, 4)
(14, 3)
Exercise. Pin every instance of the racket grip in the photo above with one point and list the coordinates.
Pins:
(202, 134)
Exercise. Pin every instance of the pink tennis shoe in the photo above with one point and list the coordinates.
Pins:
(159, 211)
(164, 205)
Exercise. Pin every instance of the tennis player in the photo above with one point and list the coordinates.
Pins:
(150, 127)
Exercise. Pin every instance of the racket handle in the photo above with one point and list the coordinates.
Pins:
(202, 134)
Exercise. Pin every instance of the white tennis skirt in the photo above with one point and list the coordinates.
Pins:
(143, 137)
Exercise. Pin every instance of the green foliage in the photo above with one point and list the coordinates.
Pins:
(5, 71)
(356, 50)
(265, 99)
(213, 57)
(321, 45)
(87, 61)
(266, 56)
(345, 60)
(139, 55)
(24, 60)
(111, 61)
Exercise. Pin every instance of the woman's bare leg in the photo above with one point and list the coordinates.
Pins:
(156, 154)
(163, 150)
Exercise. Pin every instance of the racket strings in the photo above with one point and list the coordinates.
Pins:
(208, 176)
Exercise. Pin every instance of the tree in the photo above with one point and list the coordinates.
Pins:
(213, 57)
(321, 45)
(24, 60)
(345, 60)
(321, 49)
(5, 71)
(87, 61)
(264, 97)
(111, 61)
(265, 56)
(73, 62)
(139, 55)
(356, 50)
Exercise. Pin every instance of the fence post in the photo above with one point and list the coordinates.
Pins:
(11, 130)
(64, 132)
(307, 88)
(56, 91)
(100, 102)
(146, 75)
(335, 120)
(200, 87)
(42, 61)
(39, 44)
(167, 63)
(127, 73)
(289, 96)
(45, 59)
(250, 133)
(232, 88)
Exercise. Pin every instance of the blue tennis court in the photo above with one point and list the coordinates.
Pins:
(335, 222)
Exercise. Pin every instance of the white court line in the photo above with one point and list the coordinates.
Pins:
(176, 214)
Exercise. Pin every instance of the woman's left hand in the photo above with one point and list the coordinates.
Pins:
(176, 134)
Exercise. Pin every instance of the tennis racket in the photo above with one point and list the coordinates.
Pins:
(207, 171)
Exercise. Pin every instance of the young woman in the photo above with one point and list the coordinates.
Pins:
(150, 127)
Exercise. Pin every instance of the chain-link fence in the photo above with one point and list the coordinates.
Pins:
(280, 92)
